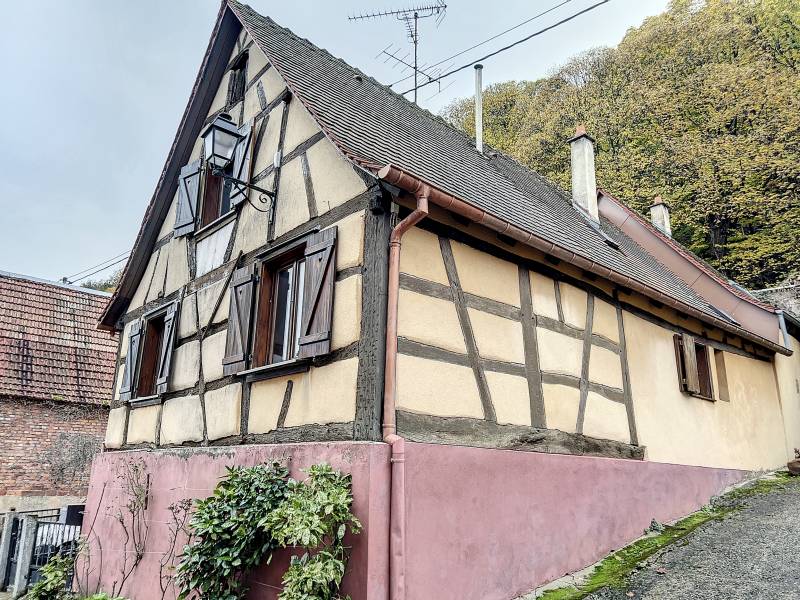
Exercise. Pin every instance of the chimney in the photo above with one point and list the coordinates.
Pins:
(584, 185)
(479, 107)
(659, 215)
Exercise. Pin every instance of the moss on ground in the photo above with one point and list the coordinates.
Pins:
(614, 570)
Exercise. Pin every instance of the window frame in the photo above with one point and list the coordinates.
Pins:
(266, 306)
(237, 80)
(222, 194)
(158, 314)
(700, 356)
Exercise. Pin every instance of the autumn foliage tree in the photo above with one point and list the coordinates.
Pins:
(701, 105)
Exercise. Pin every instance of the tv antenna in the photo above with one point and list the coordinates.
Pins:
(410, 17)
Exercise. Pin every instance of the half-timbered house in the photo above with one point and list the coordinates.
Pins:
(518, 378)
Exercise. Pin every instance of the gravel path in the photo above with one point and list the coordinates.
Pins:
(754, 553)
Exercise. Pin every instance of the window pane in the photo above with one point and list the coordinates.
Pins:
(283, 307)
(298, 300)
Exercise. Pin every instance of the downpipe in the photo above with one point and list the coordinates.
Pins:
(397, 506)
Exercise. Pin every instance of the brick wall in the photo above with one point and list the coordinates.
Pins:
(46, 447)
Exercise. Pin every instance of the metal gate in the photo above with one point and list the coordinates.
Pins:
(51, 539)
(13, 551)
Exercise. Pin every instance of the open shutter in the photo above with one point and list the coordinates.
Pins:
(239, 321)
(188, 192)
(165, 353)
(315, 330)
(242, 155)
(687, 363)
(131, 360)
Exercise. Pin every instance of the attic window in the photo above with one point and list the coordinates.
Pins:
(237, 80)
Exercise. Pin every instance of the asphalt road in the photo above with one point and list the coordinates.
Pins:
(753, 553)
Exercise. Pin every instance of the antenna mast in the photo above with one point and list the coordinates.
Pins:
(410, 17)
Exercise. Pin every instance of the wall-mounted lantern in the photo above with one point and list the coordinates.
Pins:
(220, 138)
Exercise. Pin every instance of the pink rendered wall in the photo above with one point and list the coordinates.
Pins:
(487, 524)
(193, 473)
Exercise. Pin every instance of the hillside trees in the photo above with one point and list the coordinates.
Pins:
(701, 105)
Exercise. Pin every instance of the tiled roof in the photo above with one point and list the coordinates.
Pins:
(50, 348)
(374, 126)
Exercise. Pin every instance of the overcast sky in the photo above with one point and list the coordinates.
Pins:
(93, 91)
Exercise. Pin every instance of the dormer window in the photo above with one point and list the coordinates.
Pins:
(237, 80)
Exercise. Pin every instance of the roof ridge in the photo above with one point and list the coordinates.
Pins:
(68, 286)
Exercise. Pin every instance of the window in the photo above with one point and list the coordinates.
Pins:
(237, 80)
(147, 364)
(279, 312)
(281, 307)
(694, 368)
(216, 197)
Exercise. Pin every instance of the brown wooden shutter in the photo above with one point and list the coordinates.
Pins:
(242, 156)
(687, 363)
(704, 371)
(165, 352)
(239, 321)
(315, 330)
(188, 192)
(131, 361)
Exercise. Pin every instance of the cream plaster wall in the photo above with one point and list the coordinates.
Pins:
(115, 431)
(605, 419)
(497, 338)
(745, 433)
(266, 399)
(207, 299)
(185, 366)
(436, 388)
(159, 274)
(510, 398)
(187, 317)
(350, 241)
(299, 127)
(573, 304)
(292, 203)
(421, 256)
(559, 353)
(169, 221)
(270, 140)
(605, 367)
(142, 424)
(430, 321)
(543, 293)
(787, 372)
(561, 405)
(223, 411)
(604, 320)
(181, 420)
(333, 177)
(139, 296)
(485, 275)
(177, 265)
(346, 323)
(325, 395)
(213, 351)
(210, 250)
(253, 224)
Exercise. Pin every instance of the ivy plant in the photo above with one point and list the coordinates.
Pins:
(229, 536)
(315, 515)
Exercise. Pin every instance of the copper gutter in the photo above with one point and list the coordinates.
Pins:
(406, 181)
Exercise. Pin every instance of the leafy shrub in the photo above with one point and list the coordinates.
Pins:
(230, 538)
(315, 515)
(54, 576)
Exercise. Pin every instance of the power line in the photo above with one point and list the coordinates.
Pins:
(101, 263)
(98, 270)
(517, 43)
(486, 41)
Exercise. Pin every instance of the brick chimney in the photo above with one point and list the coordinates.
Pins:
(659, 215)
(584, 184)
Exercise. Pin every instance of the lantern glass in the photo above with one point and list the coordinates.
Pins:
(220, 138)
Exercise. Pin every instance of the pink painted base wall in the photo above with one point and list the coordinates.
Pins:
(482, 524)
(193, 473)
(494, 524)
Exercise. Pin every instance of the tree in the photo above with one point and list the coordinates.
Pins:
(701, 105)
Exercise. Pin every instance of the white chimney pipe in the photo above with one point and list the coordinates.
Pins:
(479, 107)
(659, 216)
(584, 184)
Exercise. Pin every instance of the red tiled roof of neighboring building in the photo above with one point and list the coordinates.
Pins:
(50, 348)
